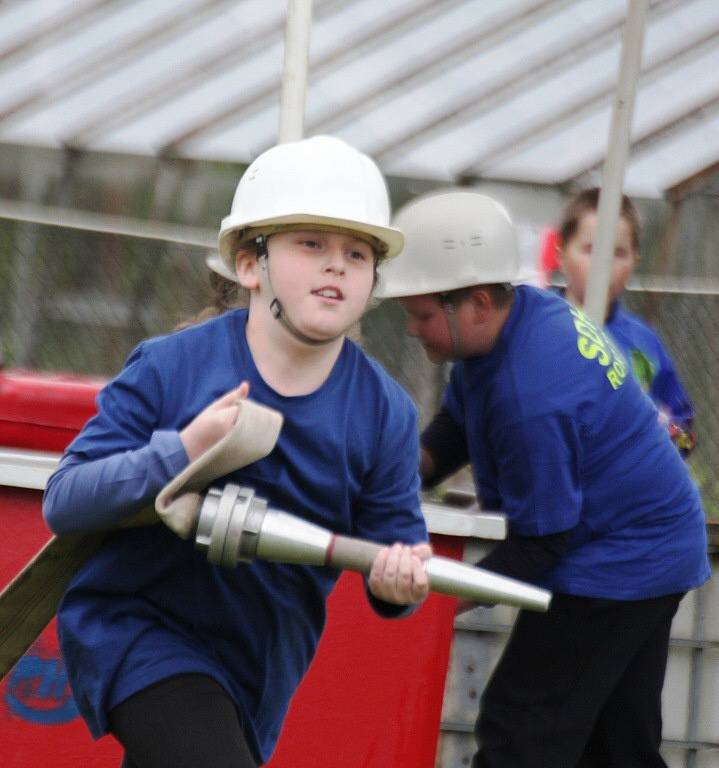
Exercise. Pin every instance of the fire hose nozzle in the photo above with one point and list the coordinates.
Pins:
(236, 526)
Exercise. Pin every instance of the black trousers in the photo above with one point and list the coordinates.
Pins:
(579, 687)
(188, 721)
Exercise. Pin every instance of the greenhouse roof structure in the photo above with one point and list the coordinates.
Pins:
(454, 90)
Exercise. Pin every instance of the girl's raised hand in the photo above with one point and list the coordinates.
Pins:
(212, 424)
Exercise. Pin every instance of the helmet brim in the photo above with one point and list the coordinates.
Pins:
(217, 264)
(391, 238)
(451, 284)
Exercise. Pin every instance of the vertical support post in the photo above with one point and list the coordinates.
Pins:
(294, 74)
(613, 172)
(697, 671)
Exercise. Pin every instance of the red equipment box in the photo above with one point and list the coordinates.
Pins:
(372, 697)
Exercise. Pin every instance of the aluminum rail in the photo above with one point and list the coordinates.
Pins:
(21, 468)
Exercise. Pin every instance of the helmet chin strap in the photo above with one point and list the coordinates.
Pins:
(450, 312)
(278, 311)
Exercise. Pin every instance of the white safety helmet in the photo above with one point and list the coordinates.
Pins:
(321, 181)
(453, 239)
(217, 265)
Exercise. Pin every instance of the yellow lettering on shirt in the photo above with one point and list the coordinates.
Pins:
(592, 350)
(595, 344)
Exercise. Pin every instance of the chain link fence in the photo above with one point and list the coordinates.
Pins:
(79, 301)
(689, 326)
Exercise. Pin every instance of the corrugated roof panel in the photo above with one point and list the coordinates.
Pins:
(516, 89)
(23, 19)
(577, 141)
(667, 91)
(497, 122)
(261, 74)
(440, 94)
(241, 144)
(366, 71)
(680, 155)
(83, 45)
(171, 62)
(666, 103)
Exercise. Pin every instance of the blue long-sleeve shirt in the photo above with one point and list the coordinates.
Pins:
(148, 605)
(561, 438)
(654, 370)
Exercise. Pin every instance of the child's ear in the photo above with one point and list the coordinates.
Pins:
(481, 301)
(246, 267)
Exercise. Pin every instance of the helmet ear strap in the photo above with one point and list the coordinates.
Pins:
(278, 311)
(449, 306)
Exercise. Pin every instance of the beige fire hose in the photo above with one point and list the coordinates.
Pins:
(252, 438)
(30, 600)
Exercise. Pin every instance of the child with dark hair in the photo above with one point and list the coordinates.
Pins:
(645, 352)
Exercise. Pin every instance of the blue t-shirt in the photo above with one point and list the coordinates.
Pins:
(148, 605)
(651, 364)
(561, 437)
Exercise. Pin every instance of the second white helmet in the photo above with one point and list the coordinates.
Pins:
(321, 181)
(453, 239)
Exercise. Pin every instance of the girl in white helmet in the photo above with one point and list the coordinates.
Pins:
(190, 664)
(599, 504)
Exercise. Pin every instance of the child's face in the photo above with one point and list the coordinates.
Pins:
(427, 323)
(322, 278)
(575, 257)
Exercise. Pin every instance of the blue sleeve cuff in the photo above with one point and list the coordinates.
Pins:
(84, 496)
(170, 452)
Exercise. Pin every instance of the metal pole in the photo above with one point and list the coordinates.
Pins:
(294, 74)
(696, 676)
(595, 302)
